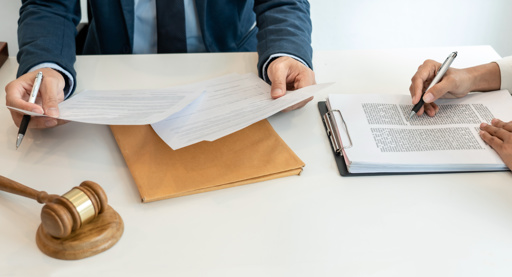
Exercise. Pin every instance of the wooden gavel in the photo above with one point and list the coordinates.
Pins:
(64, 214)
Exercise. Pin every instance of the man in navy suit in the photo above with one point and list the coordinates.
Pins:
(280, 30)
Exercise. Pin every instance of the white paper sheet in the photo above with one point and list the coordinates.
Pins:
(124, 107)
(231, 103)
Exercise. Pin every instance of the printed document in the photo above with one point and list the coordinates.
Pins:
(231, 103)
(384, 139)
(188, 114)
(123, 107)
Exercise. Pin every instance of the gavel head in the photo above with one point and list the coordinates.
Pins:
(67, 213)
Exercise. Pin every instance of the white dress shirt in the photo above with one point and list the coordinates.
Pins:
(145, 29)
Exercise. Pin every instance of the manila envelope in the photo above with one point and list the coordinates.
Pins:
(251, 155)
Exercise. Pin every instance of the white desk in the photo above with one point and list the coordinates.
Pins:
(316, 224)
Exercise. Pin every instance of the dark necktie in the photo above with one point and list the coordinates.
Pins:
(170, 18)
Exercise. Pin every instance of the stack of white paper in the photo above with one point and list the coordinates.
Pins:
(385, 139)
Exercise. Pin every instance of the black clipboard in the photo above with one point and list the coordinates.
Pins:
(340, 160)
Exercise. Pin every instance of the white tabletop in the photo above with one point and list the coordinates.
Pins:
(316, 224)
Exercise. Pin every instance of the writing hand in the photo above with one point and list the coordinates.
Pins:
(456, 83)
(286, 73)
(51, 93)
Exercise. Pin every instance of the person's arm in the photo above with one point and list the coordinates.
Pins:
(46, 34)
(456, 83)
(499, 134)
(284, 45)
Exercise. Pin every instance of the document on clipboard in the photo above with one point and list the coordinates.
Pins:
(372, 134)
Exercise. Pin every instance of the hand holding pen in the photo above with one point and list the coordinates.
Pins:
(51, 93)
(26, 117)
(453, 85)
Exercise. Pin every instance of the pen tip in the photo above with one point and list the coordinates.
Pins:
(411, 114)
(18, 140)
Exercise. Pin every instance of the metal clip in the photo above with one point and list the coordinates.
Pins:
(333, 132)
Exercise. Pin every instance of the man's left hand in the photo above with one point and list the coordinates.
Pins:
(286, 73)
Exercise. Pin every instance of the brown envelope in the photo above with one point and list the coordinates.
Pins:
(253, 154)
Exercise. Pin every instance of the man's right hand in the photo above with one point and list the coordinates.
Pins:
(456, 83)
(51, 93)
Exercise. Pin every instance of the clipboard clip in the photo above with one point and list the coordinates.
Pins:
(333, 132)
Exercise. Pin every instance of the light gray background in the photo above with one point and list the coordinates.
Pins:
(376, 24)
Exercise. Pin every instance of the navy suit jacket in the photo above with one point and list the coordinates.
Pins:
(47, 29)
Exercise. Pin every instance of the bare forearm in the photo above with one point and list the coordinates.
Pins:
(485, 77)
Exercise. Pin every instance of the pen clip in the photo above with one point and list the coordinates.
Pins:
(452, 55)
(35, 87)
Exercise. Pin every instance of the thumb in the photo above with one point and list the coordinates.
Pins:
(50, 97)
(277, 90)
(436, 92)
(278, 87)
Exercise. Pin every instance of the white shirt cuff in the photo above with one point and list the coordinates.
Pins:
(505, 65)
(69, 82)
(265, 66)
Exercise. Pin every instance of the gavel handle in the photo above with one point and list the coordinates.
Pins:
(11, 186)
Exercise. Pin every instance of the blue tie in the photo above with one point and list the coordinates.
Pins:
(170, 18)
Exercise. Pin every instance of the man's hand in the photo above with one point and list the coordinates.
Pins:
(286, 73)
(499, 137)
(51, 93)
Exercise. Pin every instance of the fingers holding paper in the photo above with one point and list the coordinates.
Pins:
(456, 83)
(51, 93)
(499, 136)
(286, 73)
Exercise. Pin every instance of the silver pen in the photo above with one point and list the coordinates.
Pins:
(26, 118)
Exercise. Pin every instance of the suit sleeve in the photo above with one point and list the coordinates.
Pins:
(284, 26)
(46, 33)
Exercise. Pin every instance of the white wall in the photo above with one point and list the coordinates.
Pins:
(364, 24)
(352, 24)
(9, 13)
